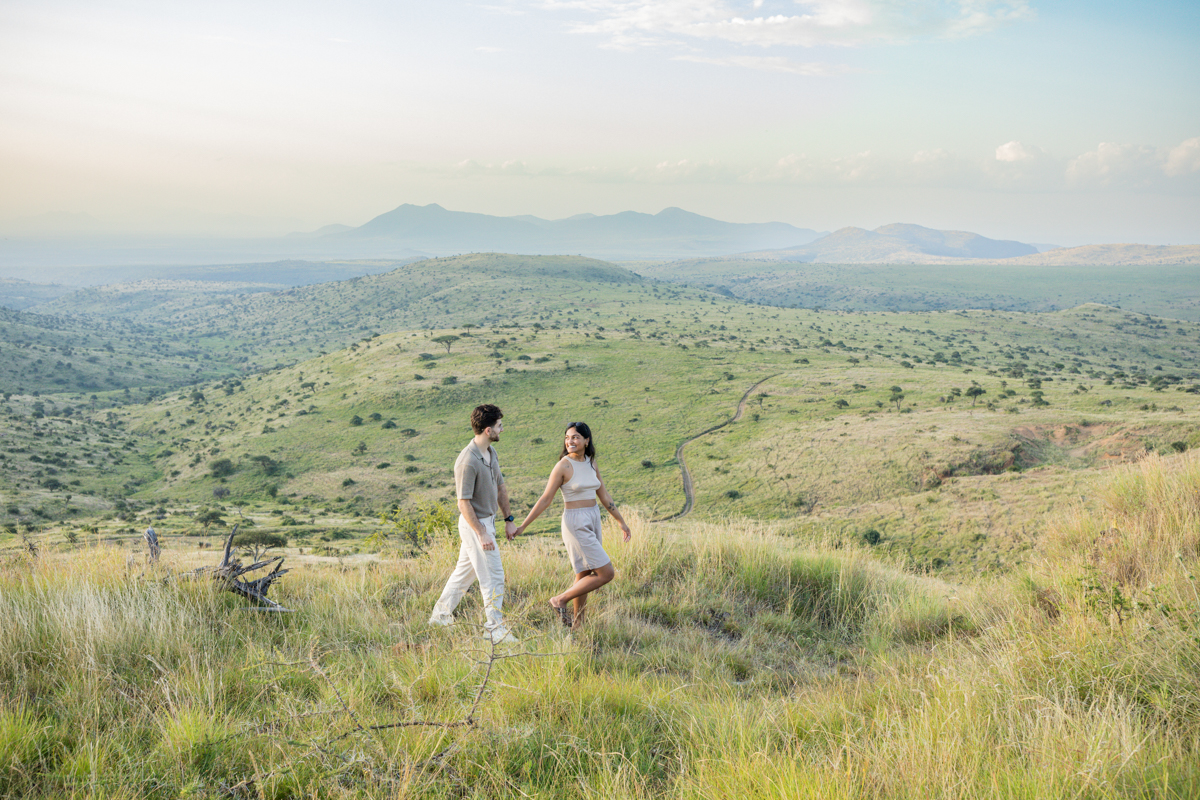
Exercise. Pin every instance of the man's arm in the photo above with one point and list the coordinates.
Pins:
(468, 511)
(510, 528)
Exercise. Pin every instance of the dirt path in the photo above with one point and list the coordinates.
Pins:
(688, 495)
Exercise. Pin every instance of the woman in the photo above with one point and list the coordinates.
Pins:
(577, 476)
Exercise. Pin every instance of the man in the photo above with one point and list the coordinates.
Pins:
(480, 488)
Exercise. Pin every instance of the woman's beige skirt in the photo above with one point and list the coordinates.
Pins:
(584, 540)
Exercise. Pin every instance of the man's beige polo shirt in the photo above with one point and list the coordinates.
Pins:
(478, 481)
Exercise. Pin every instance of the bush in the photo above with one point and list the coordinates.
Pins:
(733, 494)
(221, 468)
(647, 463)
(412, 530)
(871, 536)
(356, 420)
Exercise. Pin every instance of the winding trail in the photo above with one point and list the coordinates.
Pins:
(688, 495)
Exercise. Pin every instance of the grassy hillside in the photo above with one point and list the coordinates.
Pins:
(725, 661)
(938, 478)
(1169, 290)
(43, 353)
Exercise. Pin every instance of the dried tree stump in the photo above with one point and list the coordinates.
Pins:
(230, 572)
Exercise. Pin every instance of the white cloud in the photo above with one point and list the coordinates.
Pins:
(803, 23)
(1184, 159)
(1015, 151)
(1014, 166)
(1134, 166)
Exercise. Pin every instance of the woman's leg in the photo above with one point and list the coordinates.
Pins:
(579, 604)
(585, 582)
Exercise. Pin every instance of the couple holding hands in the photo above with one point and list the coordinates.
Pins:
(479, 486)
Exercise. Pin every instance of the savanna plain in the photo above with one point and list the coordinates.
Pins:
(914, 537)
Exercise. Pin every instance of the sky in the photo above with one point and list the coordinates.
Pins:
(1050, 122)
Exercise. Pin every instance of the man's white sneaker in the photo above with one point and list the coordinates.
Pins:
(445, 620)
(501, 636)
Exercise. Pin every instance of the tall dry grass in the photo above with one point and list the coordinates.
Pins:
(726, 660)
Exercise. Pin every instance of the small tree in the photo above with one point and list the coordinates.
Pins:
(447, 340)
(897, 396)
(210, 516)
(256, 543)
(975, 392)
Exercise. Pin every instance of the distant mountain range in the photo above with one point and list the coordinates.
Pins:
(898, 243)
(671, 233)
(411, 232)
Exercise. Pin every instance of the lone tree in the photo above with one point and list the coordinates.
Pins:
(447, 340)
(256, 543)
(209, 517)
(974, 392)
(897, 396)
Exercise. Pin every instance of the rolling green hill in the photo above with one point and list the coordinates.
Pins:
(947, 434)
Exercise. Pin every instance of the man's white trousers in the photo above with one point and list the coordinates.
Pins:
(476, 563)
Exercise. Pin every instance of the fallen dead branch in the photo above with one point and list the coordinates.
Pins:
(231, 570)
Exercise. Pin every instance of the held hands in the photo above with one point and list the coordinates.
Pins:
(511, 531)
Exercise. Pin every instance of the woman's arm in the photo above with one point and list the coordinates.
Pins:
(558, 476)
(607, 501)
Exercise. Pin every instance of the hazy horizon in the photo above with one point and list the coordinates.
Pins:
(1067, 124)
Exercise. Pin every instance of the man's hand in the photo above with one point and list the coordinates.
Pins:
(510, 530)
(485, 541)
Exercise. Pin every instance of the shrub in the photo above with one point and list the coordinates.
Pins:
(413, 530)
(733, 494)
(356, 420)
(221, 468)
(871, 536)
(647, 463)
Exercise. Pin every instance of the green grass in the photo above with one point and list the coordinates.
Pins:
(725, 660)
(822, 443)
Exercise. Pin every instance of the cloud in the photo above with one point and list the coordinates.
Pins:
(770, 23)
(1011, 152)
(1184, 159)
(1132, 166)
(1013, 166)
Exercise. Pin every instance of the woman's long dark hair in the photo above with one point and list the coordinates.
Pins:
(583, 430)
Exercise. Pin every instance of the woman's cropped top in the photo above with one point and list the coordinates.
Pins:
(584, 481)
